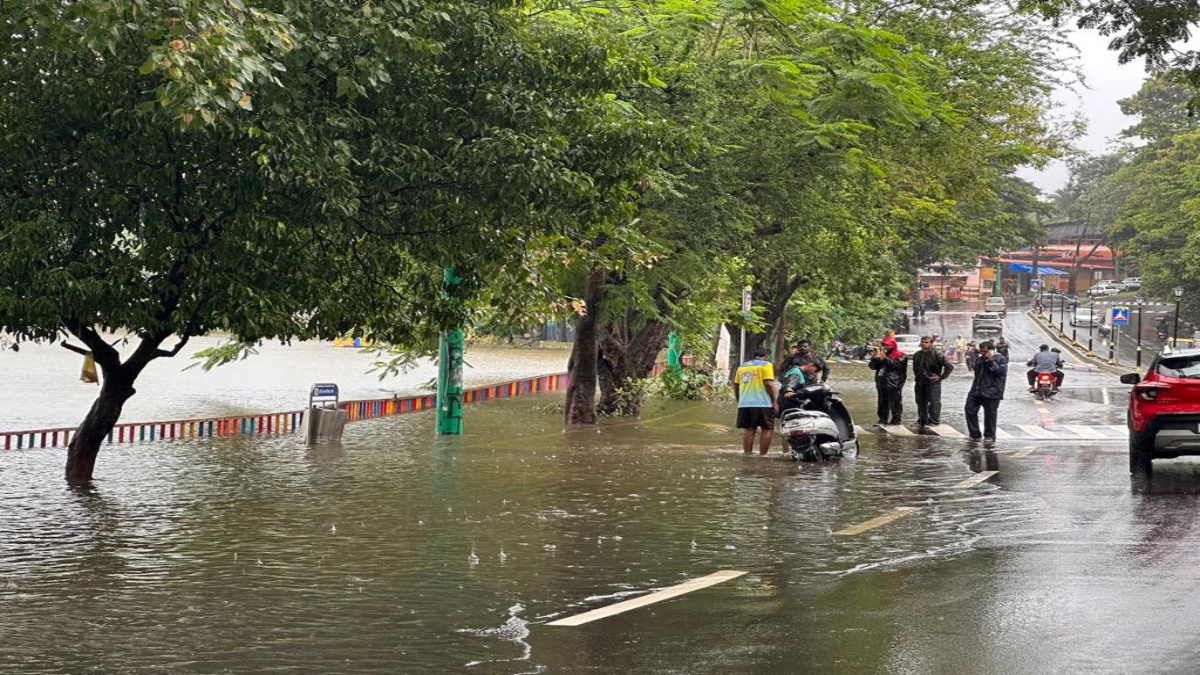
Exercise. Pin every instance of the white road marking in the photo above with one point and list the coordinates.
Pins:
(1000, 433)
(658, 596)
(891, 516)
(974, 480)
(897, 430)
(1026, 452)
(1035, 431)
(1085, 432)
(1119, 428)
(947, 431)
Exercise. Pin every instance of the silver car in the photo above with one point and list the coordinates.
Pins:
(987, 322)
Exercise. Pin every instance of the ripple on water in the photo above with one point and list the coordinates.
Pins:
(259, 554)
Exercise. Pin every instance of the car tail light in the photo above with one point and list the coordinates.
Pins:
(1149, 391)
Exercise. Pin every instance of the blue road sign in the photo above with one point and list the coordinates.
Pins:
(1120, 316)
(324, 391)
(1035, 284)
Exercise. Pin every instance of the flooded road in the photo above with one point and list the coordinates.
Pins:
(403, 552)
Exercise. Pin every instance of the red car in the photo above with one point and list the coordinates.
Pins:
(1164, 409)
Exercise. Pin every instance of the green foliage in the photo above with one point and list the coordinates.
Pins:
(1160, 215)
(302, 172)
(688, 384)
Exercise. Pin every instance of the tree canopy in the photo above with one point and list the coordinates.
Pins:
(291, 169)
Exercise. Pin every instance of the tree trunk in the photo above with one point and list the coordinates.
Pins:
(117, 387)
(622, 364)
(99, 422)
(582, 367)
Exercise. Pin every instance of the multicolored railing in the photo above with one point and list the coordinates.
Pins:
(276, 423)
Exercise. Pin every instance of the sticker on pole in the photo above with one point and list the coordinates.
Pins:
(1120, 316)
(746, 301)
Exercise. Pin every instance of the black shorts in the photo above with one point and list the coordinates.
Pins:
(756, 418)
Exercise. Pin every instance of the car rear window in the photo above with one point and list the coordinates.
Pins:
(1183, 367)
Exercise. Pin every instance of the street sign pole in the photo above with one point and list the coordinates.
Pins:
(1118, 317)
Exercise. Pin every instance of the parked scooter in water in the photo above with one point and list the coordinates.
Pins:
(821, 428)
(1043, 386)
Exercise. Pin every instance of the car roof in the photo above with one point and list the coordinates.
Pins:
(1187, 352)
(987, 315)
(908, 337)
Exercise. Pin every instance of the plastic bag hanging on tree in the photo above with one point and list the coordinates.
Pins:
(88, 374)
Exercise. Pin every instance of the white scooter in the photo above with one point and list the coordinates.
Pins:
(820, 428)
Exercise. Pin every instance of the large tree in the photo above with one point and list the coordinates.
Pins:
(287, 169)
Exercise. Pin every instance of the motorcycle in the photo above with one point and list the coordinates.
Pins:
(820, 427)
(1161, 334)
(1044, 386)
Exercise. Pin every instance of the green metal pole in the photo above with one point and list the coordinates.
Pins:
(674, 351)
(996, 283)
(450, 363)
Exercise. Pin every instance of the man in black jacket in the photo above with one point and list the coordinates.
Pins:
(987, 390)
(891, 372)
(930, 367)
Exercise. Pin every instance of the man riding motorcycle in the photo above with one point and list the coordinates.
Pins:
(1045, 361)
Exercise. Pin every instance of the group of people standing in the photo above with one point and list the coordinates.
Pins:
(930, 367)
(759, 400)
(966, 352)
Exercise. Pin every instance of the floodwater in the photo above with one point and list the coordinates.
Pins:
(42, 388)
(399, 551)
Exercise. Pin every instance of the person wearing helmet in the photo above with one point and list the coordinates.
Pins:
(1045, 361)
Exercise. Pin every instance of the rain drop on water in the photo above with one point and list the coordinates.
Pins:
(473, 559)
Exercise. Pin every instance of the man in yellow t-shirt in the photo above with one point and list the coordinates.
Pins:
(754, 385)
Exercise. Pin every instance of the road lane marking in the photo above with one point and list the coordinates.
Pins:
(1035, 431)
(947, 431)
(897, 430)
(1000, 433)
(658, 596)
(878, 521)
(1119, 428)
(1026, 452)
(974, 480)
(1085, 432)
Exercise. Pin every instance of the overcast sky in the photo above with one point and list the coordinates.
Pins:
(1107, 83)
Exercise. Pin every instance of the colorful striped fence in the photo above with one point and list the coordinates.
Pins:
(276, 423)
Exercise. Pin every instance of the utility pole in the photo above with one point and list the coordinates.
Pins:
(450, 363)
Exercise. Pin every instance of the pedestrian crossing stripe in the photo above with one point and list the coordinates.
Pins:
(1035, 431)
(1085, 432)
(1112, 433)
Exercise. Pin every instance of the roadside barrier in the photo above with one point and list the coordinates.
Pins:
(276, 423)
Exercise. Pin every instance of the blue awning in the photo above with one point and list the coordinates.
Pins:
(1028, 269)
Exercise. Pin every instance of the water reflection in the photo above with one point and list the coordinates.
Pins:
(400, 550)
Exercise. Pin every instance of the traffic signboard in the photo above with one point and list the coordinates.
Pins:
(1035, 284)
(1119, 316)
